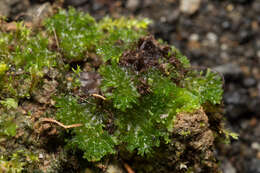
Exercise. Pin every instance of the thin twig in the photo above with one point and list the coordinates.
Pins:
(99, 96)
(59, 123)
(128, 168)
(56, 38)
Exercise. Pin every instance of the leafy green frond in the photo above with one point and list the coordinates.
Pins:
(9, 103)
(90, 137)
(144, 126)
(3, 68)
(179, 98)
(119, 35)
(186, 101)
(34, 55)
(77, 32)
(7, 118)
(183, 59)
(229, 135)
(93, 141)
(171, 97)
(162, 86)
(139, 130)
(119, 86)
(109, 24)
(207, 87)
(4, 49)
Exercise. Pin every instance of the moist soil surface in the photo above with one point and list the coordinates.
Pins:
(220, 34)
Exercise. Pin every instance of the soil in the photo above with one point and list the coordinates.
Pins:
(221, 34)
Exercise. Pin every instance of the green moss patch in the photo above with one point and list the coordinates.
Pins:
(131, 95)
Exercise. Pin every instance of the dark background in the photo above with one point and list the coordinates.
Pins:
(220, 34)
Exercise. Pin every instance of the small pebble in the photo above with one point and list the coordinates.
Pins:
(212, 37)
(228, 167)
(229, 69)
(255, 146)
(189, 6)
(226, 25)
(258, 54)
(163, 19)
(114, 169)
(258, 155)
(224, 47)
(194, 37)
(254, 166)
(249, 82)
(253, 122)
(132, 4)
(40, 156)
(230, 7)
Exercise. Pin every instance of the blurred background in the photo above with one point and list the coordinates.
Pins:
(220, 34)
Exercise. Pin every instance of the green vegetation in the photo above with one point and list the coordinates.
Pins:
(17, 162)
(140, 84)
(124, 93)
(107, 38)
(91, 137)
(7, 124)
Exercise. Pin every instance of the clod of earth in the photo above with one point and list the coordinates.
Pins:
(77, 90)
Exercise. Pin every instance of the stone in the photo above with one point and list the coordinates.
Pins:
(254, 166)
(37, 13)
(227, 167)
(194, 37)
(4, 8)
(41, 156)
(228, 69)
(189, 6)
(212, 37)
(132, 4)
(255, 146)
(17, 7)
(249, 82)
(114, 168)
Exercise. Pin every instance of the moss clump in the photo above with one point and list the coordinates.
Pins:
(125, 92)
(7, 124)
(91, 137)
(18, 161)
(23, 61)
(107, 38)
(129, 93)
